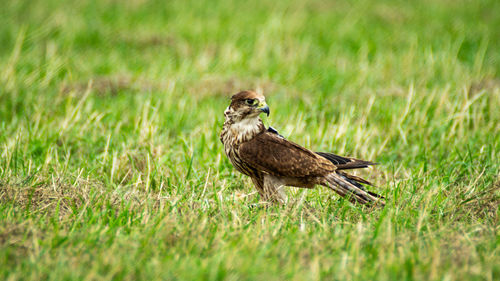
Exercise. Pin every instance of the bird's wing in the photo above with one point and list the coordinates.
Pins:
(279, 157)
(342, 163)
(345, 163)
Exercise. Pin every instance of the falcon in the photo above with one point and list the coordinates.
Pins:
(273, 162)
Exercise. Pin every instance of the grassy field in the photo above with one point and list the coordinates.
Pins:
(111, 166)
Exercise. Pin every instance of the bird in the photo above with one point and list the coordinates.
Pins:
(273, 162)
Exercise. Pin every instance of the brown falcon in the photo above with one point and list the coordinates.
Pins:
(273, 162)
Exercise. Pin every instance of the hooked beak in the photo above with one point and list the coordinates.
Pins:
(264, 108)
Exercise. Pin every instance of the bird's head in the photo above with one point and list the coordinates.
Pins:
(246, 105)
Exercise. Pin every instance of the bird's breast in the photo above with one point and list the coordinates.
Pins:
(231, 141)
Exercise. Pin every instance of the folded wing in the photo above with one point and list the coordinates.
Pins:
(345, 163)
(279, 157)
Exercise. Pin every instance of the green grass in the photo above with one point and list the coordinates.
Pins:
(111, 165)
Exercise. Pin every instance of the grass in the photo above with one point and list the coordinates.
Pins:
(111, 166)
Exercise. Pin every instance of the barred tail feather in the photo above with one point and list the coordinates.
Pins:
(351, 187)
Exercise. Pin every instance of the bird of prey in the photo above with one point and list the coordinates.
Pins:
(272, 161)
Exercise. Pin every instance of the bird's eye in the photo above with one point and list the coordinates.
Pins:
(251, 101)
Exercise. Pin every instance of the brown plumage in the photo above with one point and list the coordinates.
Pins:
(273, 162)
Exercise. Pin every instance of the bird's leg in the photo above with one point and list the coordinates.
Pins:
(259, 185)
(273, 190)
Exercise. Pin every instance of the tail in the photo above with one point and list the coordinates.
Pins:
(351, 187)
